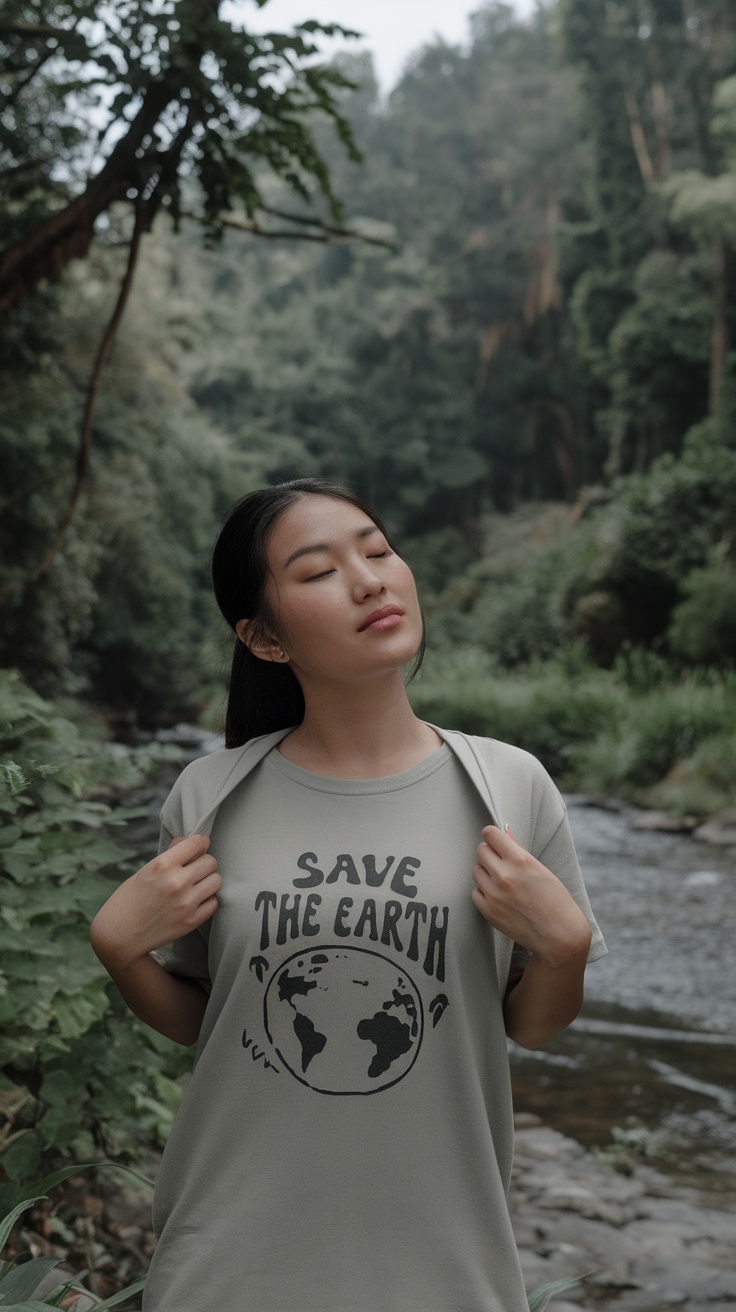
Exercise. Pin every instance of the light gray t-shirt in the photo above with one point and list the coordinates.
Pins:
(345, 1141)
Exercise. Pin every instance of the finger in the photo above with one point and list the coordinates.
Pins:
(201, 868)
(501, 841)
(483, 879)
(189, 848)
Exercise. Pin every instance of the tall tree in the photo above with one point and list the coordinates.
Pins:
(648, 70)
(179, 91)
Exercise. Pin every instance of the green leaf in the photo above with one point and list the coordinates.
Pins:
(7, 1223)
(26, 1307)
(76, 1014)
(23, 1156)
(23, 1281)
(49, 1181)
(122, 1296)
(539, 1299)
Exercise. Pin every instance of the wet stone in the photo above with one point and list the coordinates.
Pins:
(645, 1240)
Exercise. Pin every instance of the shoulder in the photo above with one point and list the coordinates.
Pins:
(514, 782)
(506, 760)
(208, 777)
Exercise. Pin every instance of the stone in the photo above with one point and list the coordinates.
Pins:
(664, 821)
(720, 830)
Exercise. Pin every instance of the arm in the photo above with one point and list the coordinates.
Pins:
(172, 1004)
(166, 899)
(526, 901)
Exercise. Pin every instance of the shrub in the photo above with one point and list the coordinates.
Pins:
(78, 1074)
(703, 627)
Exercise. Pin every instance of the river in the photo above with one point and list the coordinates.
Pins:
(652, 1058)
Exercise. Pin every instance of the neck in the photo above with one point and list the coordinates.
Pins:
(362, 733)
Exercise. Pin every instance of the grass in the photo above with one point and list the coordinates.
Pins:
(642, 730)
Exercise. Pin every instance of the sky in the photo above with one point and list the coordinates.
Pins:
(393, 29)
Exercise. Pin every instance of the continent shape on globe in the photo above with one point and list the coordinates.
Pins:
(344, 1020)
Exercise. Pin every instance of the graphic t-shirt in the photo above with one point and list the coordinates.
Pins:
(344, 1143)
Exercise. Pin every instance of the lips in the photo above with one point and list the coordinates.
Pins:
(377, 616)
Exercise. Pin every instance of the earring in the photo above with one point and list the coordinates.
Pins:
(282, 654)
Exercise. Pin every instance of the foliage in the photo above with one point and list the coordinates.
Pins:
(703, 626)
(646, 298)
(122, 612)
(630, 731)
(539, 1299)
(178, 90)
(77, 1074)
(547, 320)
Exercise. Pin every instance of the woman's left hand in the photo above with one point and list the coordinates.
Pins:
(526, 901)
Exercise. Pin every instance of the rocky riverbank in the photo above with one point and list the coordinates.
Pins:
(649, 1242)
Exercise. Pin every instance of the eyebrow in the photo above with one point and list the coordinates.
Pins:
(327, 546)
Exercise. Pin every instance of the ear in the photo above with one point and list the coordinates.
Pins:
(265, 648)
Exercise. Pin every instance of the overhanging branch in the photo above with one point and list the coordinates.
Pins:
(324, 233)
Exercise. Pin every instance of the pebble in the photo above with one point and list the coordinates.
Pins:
(650, 1242)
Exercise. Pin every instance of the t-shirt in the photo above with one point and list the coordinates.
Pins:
(345, 1141)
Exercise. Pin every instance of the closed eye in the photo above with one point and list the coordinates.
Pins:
(323, 575)
(373, 555)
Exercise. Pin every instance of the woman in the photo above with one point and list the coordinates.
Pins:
(331, 919)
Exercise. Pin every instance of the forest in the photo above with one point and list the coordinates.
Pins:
(500, 303)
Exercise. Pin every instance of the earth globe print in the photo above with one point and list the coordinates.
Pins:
(344, 1020)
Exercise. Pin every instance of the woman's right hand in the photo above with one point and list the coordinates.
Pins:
(165, 899)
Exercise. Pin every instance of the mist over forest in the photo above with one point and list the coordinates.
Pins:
(521, 353)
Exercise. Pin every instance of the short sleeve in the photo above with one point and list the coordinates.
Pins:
(188, 955)
(559, 856)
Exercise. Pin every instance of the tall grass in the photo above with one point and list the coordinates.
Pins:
(641, 731)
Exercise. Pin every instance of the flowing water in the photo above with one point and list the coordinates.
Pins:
(650, 1065)
(649, 1068)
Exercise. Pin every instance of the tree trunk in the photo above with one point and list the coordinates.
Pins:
(719, 333)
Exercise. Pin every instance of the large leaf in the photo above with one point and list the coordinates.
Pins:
(15, 1196)
(23, 1281)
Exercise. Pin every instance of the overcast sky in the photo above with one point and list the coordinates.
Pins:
(393, 29)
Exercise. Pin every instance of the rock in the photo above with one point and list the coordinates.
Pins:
(543, 1142)
(720, 830)
(666, 821)
(702, 879)
(647, 1242)
(526, 1121)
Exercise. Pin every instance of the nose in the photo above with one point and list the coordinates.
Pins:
(366, 581)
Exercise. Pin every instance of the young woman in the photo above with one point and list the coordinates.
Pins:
(331, 918)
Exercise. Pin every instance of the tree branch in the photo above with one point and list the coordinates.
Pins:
(326, 234)
(85, 440)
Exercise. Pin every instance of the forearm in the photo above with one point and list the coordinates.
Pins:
(546, 999)
(170, 1004)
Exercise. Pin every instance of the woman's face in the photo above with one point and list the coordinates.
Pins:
(346, 603)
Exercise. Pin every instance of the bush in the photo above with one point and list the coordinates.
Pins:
(703, 627)
(604, 732)
(78, 1074)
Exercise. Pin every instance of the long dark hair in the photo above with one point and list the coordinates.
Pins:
(263, 695)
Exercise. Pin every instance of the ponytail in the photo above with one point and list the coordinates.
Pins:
(263, 696)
